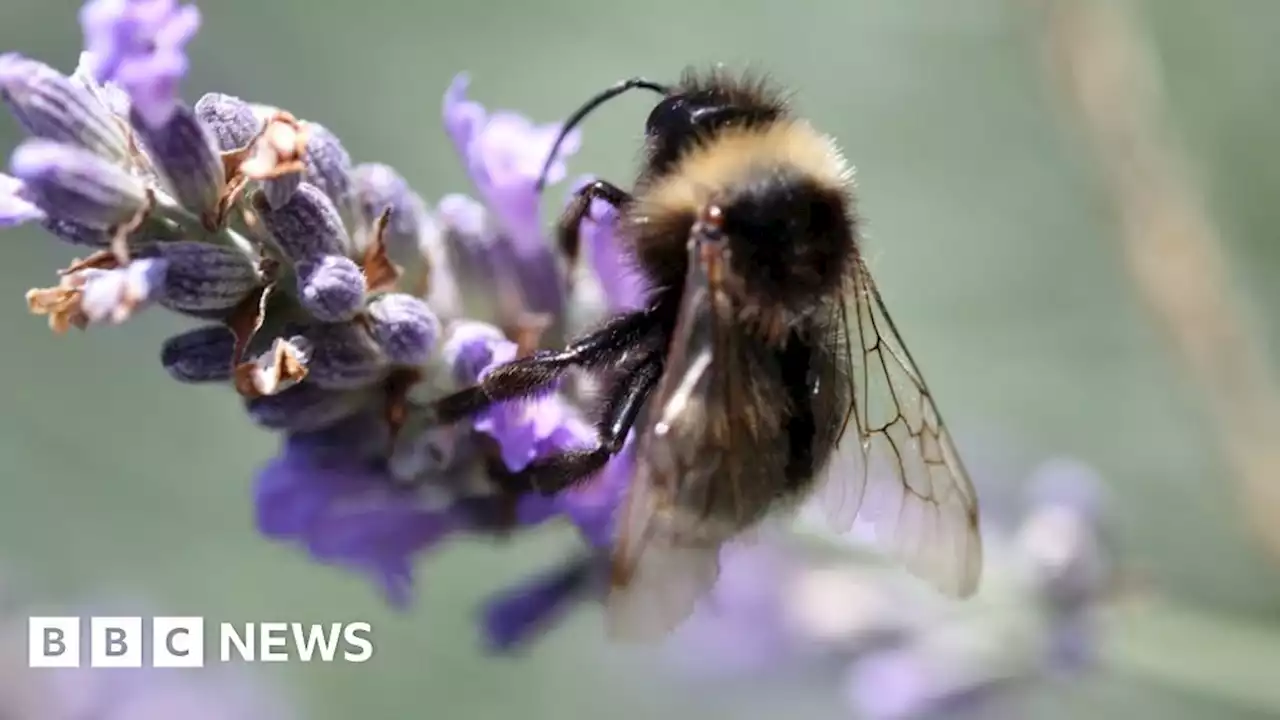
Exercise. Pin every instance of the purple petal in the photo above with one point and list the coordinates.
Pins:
(592, 506)
(347, 512)
(504, 153)
(473, 346)
(516, 616)
(15, 209)
(623, 285)
(331, 287)
(141, 45)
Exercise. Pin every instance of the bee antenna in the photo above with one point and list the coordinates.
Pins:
(609, 93)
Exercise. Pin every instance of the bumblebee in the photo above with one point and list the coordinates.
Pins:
(763, 371)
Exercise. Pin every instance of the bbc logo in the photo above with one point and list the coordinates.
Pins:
(115, 642)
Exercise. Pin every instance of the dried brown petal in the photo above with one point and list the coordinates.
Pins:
(379, 272)
(247, 318)
(61, 304)
(278, 369)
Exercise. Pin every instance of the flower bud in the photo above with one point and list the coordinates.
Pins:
(185, 155)
(331, 287)
(49, 105)
(200, 355)
(204, 277)
(72, 183)
(230, 119)
(404, 327)
(305, 226)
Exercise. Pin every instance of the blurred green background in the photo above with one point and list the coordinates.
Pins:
(988, 229)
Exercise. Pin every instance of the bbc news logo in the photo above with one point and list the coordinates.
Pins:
(179, 642)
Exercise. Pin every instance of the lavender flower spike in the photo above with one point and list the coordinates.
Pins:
(185, 153)
(72, 183)
(331, 287)
(404, 327)
(141, 45)
(15, 209)
(305, 226)
(50, 106)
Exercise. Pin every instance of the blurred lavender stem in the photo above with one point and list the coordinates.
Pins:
(1101, 64)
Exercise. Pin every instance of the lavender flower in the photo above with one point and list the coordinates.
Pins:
(504, 153)
(514, 617)
(261, 225)
(623, 286)
(141, 44)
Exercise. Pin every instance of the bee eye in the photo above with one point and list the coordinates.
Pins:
(670, 115)
(680, 115)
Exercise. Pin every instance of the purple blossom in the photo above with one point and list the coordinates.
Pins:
(624, 287)
(346, 511)
(15, 209)
(523, 429)
(141, 44)
(504, 153)
(515, 616)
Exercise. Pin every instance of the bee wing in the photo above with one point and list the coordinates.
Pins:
(660, 570)
(899, 474)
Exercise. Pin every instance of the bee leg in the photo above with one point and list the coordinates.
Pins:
(569, 228)
(551, 474)
(534, 373)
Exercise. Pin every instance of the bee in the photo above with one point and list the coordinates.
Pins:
(762, 372)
